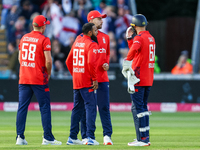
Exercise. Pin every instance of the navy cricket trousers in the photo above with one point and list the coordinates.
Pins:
(139, 106)
(42, 94)
(103, 103)
(84, 102)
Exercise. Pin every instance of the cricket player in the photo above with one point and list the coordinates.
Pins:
(81, 63)
(140, 63)
(35, 71)
(103, 56)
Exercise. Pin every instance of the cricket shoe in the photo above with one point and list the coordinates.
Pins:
(143, 141)
(107, 140)
(84, 141)
(138, 143)
(47, 142)
(71, 141)
(21, 141)
(146, 140)
(92, 142)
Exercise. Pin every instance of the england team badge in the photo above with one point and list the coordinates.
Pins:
(104, 41)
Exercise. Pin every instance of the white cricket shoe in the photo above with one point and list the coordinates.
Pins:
(47, 142)
(84, 141)
(136, 140)
(92, 142)
(138, 143)
(107, 140)
(70, 141)
(21, 141)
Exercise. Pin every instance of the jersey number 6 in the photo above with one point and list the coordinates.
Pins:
(151, 52)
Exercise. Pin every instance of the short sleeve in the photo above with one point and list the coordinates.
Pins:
(47, 44)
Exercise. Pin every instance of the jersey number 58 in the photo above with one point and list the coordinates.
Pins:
(28, 53)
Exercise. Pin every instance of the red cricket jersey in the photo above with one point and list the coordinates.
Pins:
(32, 59)
(142, 52)
(103, 56)
(81, 62)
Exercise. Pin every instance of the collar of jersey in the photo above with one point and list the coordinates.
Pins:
(86, 36)
(37, 32)
(142, 32)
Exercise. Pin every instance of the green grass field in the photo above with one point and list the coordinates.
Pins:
(168, 131)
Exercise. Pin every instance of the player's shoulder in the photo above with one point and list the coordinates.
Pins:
(103, 34)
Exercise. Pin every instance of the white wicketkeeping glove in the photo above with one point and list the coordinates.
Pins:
(129, 32)
(127, 67)
(132, 80)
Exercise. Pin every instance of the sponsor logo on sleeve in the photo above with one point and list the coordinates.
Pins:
(48, 46)
(136, 42)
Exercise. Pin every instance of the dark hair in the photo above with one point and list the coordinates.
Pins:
(87, 27)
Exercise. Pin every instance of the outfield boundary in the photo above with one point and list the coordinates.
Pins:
(67, 106)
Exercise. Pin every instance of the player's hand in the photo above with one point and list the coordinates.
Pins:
(105, 66)
(95, 85)
(49, 76)
(129, 32)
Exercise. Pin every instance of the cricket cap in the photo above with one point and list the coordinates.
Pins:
(40, 20)
(95, 14)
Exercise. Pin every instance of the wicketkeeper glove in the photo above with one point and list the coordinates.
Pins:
(132, 80)
(127, 67)
(128, 36)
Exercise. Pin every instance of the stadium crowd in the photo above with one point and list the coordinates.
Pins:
(67, 18)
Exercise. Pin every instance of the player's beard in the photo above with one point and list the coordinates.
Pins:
(94, 38)
(99, 26)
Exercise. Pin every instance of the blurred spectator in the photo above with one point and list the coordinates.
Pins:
(58, 57)
(56, 16)
(7, 4)
(67, 6)
(102, 10)
(101, 6)
(121, 3)
(82, 4)
(109, 20)
(113, 48)
(70, 29)
(46, 12)
(18, 29)
(11, 19)
(122, 22)
(67, 49)
(183, 67)
(82, 8)
(27, 10)
(96, 3)
(13, 63)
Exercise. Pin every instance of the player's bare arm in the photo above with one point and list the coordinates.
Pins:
(48, 58)
(19, 56)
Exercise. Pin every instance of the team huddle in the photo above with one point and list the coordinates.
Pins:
(88, 63)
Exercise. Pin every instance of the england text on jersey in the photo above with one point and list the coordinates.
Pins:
(26, 64)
